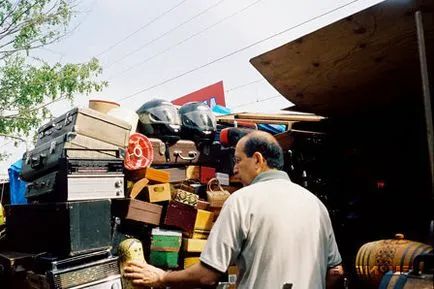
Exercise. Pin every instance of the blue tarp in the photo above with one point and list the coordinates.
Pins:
(17, 186)
(221, 110)
(272, 128)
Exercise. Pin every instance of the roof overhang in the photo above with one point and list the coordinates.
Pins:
(365, 61)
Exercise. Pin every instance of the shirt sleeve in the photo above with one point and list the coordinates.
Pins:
(334, 257)
(226, 237)
(332, 252)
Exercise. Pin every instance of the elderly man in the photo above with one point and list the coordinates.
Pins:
(277, 233)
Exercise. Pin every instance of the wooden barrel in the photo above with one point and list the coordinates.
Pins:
(398, 280)
(375, 259)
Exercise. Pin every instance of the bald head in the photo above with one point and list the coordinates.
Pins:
(266, 144)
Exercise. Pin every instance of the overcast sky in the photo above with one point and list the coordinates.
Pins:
(143, 45)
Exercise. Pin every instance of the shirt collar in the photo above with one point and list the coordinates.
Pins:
(270, 175)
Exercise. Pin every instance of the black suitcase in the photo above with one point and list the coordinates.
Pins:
(87, 122)
(63, 229)
(45, 157)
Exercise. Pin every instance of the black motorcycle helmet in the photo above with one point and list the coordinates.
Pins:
(159, 118)
(198, 122)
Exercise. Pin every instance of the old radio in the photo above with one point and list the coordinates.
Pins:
(88, 271)
(80, 179)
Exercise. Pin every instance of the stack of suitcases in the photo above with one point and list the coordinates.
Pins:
(84, 199)
(73, 173)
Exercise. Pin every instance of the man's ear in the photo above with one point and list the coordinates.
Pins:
(259, 160)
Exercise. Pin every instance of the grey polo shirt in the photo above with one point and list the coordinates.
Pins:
(276, 232)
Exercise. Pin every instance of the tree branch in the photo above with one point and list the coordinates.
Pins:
(14, 137)
(19, 17)
(7, 52)
(15, 115)
(13, 10)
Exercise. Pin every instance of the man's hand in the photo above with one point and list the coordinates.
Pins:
(143, 274)
(334, 277)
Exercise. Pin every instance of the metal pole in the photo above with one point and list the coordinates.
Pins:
(426, 94)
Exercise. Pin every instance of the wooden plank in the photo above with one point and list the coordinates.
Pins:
(365, 61)
(265, 121)
(280, 117)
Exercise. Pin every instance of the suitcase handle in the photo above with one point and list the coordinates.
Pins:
(37, 161)
(427, 259)
(192, 155)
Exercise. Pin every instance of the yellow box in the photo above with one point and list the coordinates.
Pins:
(199, 234)
(204, 220)
(189, 261)
(194, 245)
(159, 193)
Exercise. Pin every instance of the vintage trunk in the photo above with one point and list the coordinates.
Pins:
(89, 123)
(61, 187)
(68, 228)
(181, 152)
(136, 210)
(46, 157)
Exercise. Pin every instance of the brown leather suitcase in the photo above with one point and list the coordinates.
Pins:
(136, 210)
(87, 122)
(181, 152)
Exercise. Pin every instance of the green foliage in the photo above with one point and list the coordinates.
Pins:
(27, 24)
(26, 90)
(28, 87)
